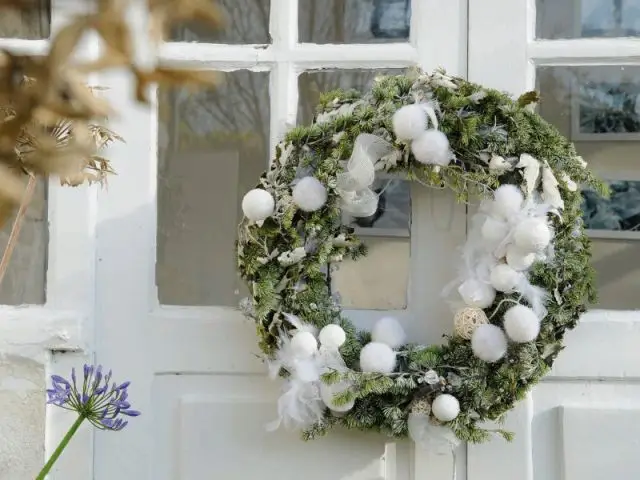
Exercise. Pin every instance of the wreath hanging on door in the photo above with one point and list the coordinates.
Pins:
(524, 277)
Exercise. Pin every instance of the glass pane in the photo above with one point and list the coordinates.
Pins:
(246, 21)
(598, 108)
(353, 21)
(587, 18)
(24, 281)
(212, 149)
(33, 23)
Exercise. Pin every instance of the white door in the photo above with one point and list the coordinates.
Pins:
(166, 287)
(583, 421)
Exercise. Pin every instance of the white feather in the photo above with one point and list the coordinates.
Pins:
(531, 171)
(299, 406)
(550, 191)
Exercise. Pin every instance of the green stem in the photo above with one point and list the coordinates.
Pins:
(60, 448)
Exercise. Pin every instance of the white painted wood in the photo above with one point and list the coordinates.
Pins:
(595, 51)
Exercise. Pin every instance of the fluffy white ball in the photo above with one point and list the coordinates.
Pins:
(476, 293)
(489, 343)
(519, 260)
(445, 407)
(309, 194)
(507, 200)
(328, 392)
(504, 278)
(332, 336)
(377, 357)
(521, 324)
(494, 230)
(258, 205)
(388, 330)
(304, 345)
(532, 235)
(409, 122)
(432, 148)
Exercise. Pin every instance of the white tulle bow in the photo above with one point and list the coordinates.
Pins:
(354, 185)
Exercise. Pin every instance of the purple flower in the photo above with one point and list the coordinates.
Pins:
(103, 403)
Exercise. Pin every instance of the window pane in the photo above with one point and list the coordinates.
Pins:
(587, 18)
(380, 280)
(31, 24)
(24, 281)
(353, 21)
(212, 149)
(598, 108)
(246, 21)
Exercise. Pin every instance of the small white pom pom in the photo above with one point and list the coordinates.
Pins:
(504, 278)
(409, 122)
(532, 235)
(328, 393)
(332, 336)
(521, 324)
(476, 293)
(519, 260)
(377, 357)
(304, 345)
(489, 343)
(493, 230)
(507, 200)
(309, 194)
(445, 407)
(388, 330)
(432, 148)
(258, 205)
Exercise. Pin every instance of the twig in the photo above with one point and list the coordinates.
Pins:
(17, 225)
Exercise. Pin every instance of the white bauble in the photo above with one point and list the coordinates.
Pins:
(489, 343)
(258, 205)
(519, 260)
(388, 330)
(445, 407)
(521, 324)
(494, 230)
(409, 122)
(328, 392)
(432, 148)
(309, 194)
(504, 278)
(304, 345)
(377, 357)
(532, 235)
(507, 200)
(332, 336)
(476, 293)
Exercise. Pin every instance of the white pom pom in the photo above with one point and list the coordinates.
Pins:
(258, 205)
(332, 336)
(445, 407)
(328, 393)
(489, 343)
(521, 324)
(432, 148)
(532, 235)
(493, 230)
(504, 278)
(507, 200)
(476, 293)
(388, 330)
(377, 357)
(409, 122)
(304, 345)
(309, 194)
(519, 260)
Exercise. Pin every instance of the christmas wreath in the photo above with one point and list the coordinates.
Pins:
(525, 273)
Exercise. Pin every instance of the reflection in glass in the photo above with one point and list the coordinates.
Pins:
(617, 264)
(353, 21)
(245, 21)
(24, 281)
(587, 18)
(212, 149)
(32, 23)
(619, 212)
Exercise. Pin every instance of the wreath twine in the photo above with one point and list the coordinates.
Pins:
(292, 236)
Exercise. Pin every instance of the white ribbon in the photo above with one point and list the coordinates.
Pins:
(354, 185)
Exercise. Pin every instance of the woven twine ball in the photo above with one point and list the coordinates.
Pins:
(421, 406)
(467, 320)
